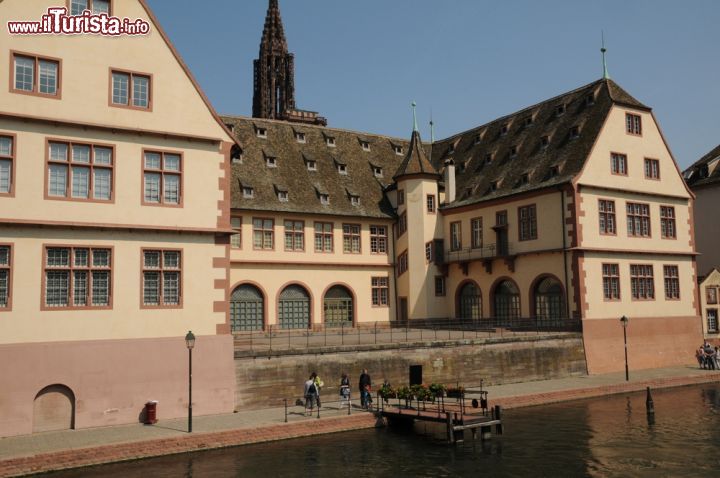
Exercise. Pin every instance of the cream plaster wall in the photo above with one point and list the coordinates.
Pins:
(550, 223)
(280, 256)
(711, 281)
(590, 222)
(707, 227)
(125, 320)
(614, 139)
(528, 268)
(86, 63)
(200, 192)
(599, 308)
(317, 279)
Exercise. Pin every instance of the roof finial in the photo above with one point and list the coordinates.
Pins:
(606, 75)
(432, 128)
(415, 126)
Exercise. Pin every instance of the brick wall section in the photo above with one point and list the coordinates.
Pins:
(184, 444)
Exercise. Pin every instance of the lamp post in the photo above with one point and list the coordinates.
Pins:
(190, 342)
(624, 320)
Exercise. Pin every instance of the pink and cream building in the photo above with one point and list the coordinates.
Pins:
(114, 220)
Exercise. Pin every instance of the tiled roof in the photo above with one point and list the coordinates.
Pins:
(540, 146)
(304, 186)
(416, 161)
(704, 171)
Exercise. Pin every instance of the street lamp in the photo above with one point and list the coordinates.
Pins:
(624, 320)
(190, 342)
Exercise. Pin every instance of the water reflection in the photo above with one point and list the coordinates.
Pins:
(601, 437)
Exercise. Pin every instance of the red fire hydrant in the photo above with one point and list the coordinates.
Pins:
(151, 412)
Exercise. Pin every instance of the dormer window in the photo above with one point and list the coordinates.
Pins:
(300, 137)
(451, 149)
(554, 171)
(478, 139)
(248, 192)
(461, 167)
(230, 127)
(365, 145)
(545, 142)
(311, 165)
(488, 158)
(590, 99)
(261, 132)
(560, 110)
(342, 169)
(271, 162)
(237, 158)
(574, 132)
(330, 141)
(513, 152)
(398, 150)
(494, 186)
(524, 179)
(283, 196)
(324, 199)
(528, 121)
(504, 129)
(377, 171)
(355, 200)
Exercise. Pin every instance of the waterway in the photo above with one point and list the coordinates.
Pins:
(610, 437)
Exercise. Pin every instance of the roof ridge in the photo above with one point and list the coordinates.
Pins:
(525, 109)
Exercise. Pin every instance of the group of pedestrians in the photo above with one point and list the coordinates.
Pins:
(313, 385)
(708, 357)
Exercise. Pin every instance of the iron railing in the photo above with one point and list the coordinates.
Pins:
(491, 251)
(413, 331)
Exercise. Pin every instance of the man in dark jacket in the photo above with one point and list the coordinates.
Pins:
(364, 387)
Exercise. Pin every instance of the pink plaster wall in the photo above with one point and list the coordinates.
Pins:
(113, 379)
(652, 343)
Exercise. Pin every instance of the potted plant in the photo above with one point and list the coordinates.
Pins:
(455, 392)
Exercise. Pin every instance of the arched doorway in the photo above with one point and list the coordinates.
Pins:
(338, 307)
(54, 409)
(470, 302)
(247, 309)
(294, 308)
(507, 300)
(549, 299)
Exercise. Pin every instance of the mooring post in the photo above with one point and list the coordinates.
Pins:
(449, 424)
(498, 417)
(318, 415)
(649, 405)
(286, 410)
(348, 400)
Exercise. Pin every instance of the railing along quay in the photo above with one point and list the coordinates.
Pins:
(415, 331)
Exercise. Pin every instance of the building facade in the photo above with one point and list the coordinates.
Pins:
(572, 209)
(703, 177)
(114, 228)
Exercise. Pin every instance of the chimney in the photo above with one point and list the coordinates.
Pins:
(449, 177)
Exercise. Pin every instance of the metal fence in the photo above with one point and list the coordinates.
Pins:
(415, 331)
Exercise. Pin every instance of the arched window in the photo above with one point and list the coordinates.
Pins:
(294, 308)
(549, 299)
(470, 302)
(507, 300)
(54, 409)
(247, 309)
(338, 307)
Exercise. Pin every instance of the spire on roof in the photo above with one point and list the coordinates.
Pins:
(416, 161)
(606, 75)
(432, 129)
(274, 32)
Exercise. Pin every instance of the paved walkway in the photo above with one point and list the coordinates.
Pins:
(73, 448)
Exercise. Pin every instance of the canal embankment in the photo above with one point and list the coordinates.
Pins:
(79, 448)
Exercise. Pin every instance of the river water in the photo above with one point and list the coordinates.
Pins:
(600, 437)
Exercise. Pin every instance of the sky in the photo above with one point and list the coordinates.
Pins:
(360, 63)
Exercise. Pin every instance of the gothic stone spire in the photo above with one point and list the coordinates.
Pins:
(274, 78)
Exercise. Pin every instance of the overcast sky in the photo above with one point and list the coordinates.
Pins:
(361, 62)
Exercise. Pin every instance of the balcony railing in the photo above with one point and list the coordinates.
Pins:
(468, 254)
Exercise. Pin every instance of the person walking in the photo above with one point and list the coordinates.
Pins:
(345, 390)
(364, 386)
(319, 384)
(310, 393)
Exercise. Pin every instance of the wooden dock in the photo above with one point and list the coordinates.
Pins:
(455, 416)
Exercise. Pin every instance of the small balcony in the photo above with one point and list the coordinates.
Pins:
(482, 253)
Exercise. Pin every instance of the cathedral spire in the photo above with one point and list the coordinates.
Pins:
(274, 75)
